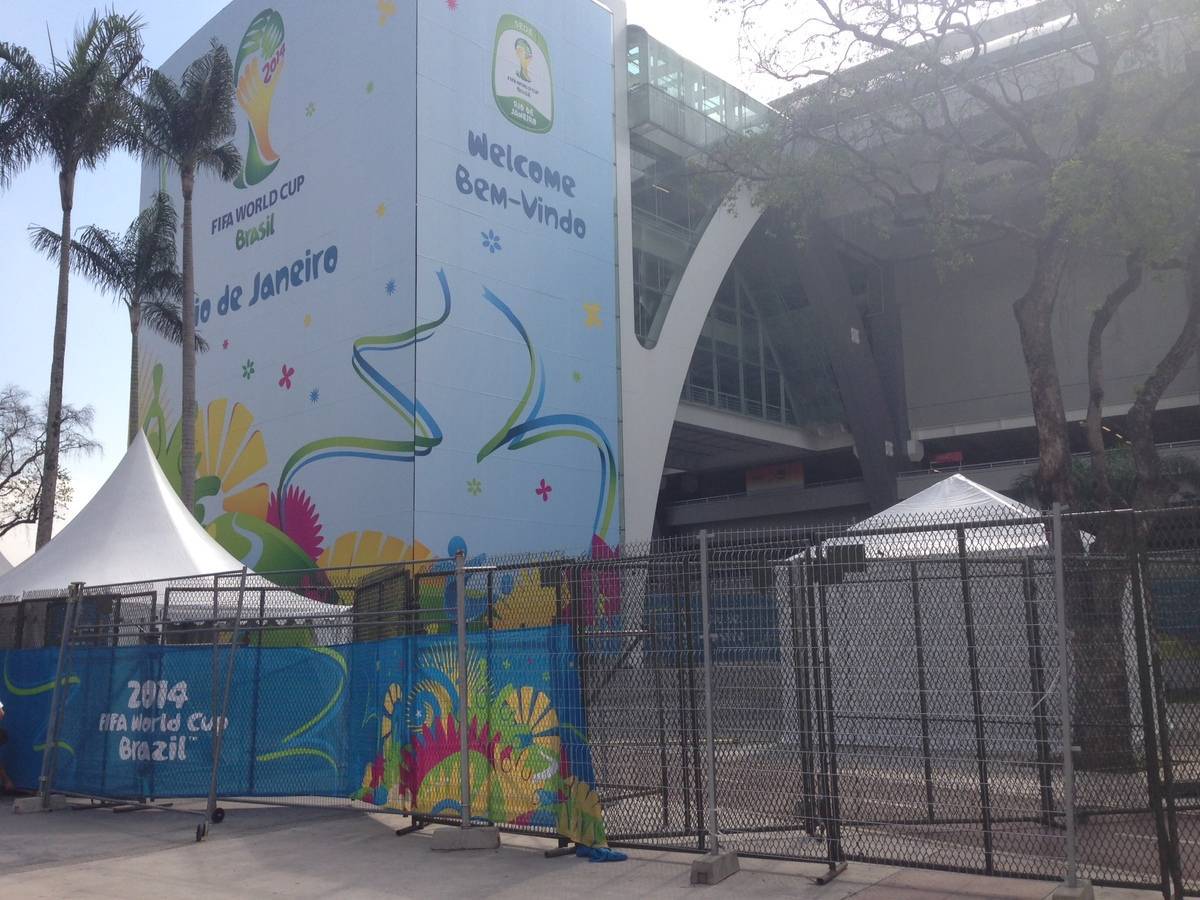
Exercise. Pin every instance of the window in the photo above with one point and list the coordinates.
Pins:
(634, 62)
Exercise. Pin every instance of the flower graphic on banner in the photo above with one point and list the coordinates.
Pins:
(303, 524)
(593, 315)
(474, 487)
(367, 551)
(600, 586)
(535, 724)
(534, 602)
(314, 395)
(387, 9)
(230, 456)
(392, 707)
(286, 381)
(543, 490)
(390, 287)
(491, 241)
(528, 761)
(580, 813)
(225, 344)
(248, 369)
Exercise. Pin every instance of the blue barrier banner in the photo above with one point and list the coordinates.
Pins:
(138, 721)
(374, 722)
(28, 683)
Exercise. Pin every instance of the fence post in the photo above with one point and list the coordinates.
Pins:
(690, 728)
(464, 758)
(706, 625)
(464, 837)
(50, 754)
(260, 629)
(1071, 880)
(219, 724)
(833, 827)
(800, 575)
(985, 795)
(1145, 614)
(922, 690)
(716, 866)
(1037, 690)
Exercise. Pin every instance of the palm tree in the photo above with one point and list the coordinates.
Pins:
(76, 111)
(188, 126)
(139, 268)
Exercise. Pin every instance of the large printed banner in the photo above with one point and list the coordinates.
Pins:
(373, 722)
(409, 291)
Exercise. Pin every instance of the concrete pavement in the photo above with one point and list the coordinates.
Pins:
(289, 852)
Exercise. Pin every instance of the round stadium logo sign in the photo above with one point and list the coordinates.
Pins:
(523, 83)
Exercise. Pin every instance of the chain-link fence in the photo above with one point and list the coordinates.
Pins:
(893, 694)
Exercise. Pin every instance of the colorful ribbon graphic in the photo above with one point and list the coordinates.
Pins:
(526, 429)
(426, 432)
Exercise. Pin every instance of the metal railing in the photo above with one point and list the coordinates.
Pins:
(899, 694)
(1024, 462)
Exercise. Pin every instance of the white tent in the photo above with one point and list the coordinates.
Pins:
(954, 501)
(134, 529)
(909, 590)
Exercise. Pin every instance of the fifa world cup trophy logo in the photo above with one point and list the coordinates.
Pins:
(258, 69)
(524, 58)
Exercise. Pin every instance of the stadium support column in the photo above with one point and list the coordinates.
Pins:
(869, 415)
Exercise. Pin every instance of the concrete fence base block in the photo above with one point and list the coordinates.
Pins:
(714, 869)
(483, 838)
(1081, 891)
(34, 804)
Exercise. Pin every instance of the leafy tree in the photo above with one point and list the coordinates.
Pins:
(75, 111)
(188, 126)
(139, 269)
(1180, 476)
(24, 442)
(1069, 138)
(907, 116)
(1136, 194)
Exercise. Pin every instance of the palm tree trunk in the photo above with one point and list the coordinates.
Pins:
(49, 488)
(135, 316)
(187, 456)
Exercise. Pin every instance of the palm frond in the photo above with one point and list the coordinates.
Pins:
(225, 162)
(156, 109)
(162, 316)
(162, 283)
(100, 259)
(149, 247)
(189, 123)
(21, 92)
(79, 108)
(94, 255)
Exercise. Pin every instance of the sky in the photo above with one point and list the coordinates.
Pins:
(97, 372)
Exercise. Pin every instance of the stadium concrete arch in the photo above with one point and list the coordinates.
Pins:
(765, 383)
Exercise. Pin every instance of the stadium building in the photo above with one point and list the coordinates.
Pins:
(465, 293)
